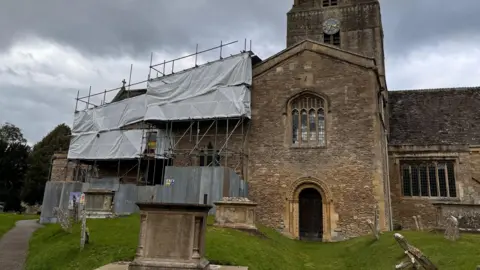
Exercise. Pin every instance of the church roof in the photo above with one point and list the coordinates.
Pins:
(449, 116)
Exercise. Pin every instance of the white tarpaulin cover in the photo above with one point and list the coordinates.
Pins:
(216, 90)
(226, 102)
(114, 144)
(110, 117)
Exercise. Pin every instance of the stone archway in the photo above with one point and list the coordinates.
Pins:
(310, 186)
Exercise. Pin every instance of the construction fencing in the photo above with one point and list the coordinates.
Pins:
(182, 185)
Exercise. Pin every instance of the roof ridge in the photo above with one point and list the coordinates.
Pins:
(462, 88)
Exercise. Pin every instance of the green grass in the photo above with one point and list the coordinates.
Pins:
(116, 239)
(7, 221)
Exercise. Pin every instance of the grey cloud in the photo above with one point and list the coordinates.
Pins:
(138, 27)
(412, 23)
(37, 111)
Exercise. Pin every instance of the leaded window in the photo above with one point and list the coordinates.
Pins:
(332, 39)
(429, 179)
(327, 3)
(308, 121)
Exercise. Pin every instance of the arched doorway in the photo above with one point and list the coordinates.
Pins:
(310, 215)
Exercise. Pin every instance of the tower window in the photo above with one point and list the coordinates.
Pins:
(332, 39)
(327, 3)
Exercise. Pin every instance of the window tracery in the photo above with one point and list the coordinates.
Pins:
(308, 121)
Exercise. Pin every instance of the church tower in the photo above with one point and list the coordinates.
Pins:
(352, 25)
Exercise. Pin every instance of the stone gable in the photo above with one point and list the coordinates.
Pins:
(345, 166)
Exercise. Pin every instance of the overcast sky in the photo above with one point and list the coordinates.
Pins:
(51, 48)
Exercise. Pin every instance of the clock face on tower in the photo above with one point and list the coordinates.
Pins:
(331, 26)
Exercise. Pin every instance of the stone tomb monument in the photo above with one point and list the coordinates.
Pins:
(98, 203)
(237, 213)
(172, 236)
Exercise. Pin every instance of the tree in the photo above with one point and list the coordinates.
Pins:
(13, 165)
(11, 134)
(40, 163)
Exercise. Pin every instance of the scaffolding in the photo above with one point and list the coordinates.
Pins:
(219, 141)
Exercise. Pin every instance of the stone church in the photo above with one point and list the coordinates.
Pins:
(331, 142)
(328, 144)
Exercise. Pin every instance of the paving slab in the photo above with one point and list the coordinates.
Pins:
(124, 266)
(14, 245)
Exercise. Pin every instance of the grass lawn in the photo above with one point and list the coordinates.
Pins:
(7, 221)
(116, 239)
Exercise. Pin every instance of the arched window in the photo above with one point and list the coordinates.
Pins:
(308, 120)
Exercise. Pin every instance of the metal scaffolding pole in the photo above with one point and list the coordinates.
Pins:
(88, 100)
(226, 143)
(198, 141)
(76, 103)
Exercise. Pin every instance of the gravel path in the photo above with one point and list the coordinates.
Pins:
(14, 245)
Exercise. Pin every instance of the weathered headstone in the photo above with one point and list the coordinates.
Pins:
(235, 212)
(417, 226)
(420, 223)
(84, 233)
(172, 236)
(452, 231)
(374, 226)
(63, 218)
(99, 203)
(416, 257)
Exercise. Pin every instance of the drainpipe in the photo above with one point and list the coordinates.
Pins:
(388, 188)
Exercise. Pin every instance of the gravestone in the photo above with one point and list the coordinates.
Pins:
(236, 213)
(415, 257)
(84, 233)
(420, 223)
(172, 236)
(452, 231)
(63, 218)
(374, 226)
(99, 203)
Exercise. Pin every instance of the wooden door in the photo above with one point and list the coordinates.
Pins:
(311, 219)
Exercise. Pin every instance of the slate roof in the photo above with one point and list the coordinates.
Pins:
(435, 116)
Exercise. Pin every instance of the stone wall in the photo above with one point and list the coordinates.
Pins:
(404, 208)
(61, 169)
(349, 170)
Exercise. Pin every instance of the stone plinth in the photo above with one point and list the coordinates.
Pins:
(237, 213)
(98, 203)
(172, 236)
